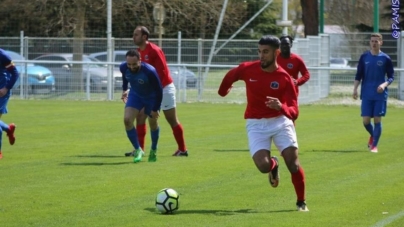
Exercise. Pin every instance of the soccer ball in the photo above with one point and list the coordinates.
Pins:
(167, 201)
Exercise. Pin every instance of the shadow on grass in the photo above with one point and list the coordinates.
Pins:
(98, 156)
(339, 151)
(230, 150)
(95, 163)
(220, 212)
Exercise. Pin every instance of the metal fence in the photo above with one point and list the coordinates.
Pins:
(76, 77)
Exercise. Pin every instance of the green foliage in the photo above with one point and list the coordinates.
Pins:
(67, 169)
(265, 23)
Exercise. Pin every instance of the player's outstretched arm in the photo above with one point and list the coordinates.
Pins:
(227, 82)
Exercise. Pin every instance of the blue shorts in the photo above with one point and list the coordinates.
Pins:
(139, 103)
(373, 108)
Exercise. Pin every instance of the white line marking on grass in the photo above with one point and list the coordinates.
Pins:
(389, 220)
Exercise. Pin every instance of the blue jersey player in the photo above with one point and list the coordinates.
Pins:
(145, 92)
(375, 70)
(8, 77)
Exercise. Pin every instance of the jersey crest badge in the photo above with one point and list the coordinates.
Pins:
(274, 85)
(290, 66)
(146, 57)
(379, 63)
(140, 81)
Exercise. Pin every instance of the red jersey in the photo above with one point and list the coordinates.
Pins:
(293, 66)
(259, 85)
(153, 55)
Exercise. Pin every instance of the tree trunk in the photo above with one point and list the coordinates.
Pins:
(77, 70)
(310, 17)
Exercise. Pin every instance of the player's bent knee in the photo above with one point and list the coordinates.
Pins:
(127, 122)
(261, 159)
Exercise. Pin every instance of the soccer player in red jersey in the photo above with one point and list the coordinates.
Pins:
(271, 107)
(292, 63)
(152, 54)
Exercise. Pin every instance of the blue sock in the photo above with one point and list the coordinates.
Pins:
(155, 138)
(132, 135)
(369, 128)
(377, 133)
(4, 126)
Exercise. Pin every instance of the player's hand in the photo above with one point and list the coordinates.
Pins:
(273, 103)
(124, 96)
(380, 89)
(294, 81)
(355, 94)
(155, 114)
(3, 91)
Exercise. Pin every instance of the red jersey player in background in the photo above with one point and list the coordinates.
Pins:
(292, 63)
(152, 54)
(271, 107)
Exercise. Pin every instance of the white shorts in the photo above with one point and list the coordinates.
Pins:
(261, 132)
(168, 101)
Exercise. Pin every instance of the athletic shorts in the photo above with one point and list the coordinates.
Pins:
(168, 101)
(261, 133)
(373, 108)
(138, 103)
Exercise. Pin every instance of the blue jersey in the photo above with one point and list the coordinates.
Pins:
(8, 72)
(145, 83)
(374, 70)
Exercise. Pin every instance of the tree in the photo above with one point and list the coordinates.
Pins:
(391, 11)
(194, 18)
(310, 17)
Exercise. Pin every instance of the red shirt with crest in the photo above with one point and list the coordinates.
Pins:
(293, 66)
(259, 85)
(153, 55)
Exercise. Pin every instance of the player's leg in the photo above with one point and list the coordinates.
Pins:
(286, 142)
(1, 136)
(132, 109)
(380, 108)
(259, 140)
(141, 128)
(155, 134)
(9, 129)
(168, 105)
(367, 113)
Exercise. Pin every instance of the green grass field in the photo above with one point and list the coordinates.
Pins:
(67, 169)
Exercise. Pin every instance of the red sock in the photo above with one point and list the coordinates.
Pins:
(298, 180)
(178, 132)
(272, 164)
(141, 134)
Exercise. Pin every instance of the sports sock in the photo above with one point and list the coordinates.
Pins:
(298, 180)
(141, 134)
(178, 132)
(4, 126)
(369, 128)
(155, 138)
(272, 164)
(377, 132)
(132, 135)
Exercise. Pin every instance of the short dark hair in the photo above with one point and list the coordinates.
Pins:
(133, 53)
(144, 31)
(378, 35)
(270, 40)
(286, 37)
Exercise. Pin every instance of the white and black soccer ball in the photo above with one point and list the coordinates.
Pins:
(167, 201)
